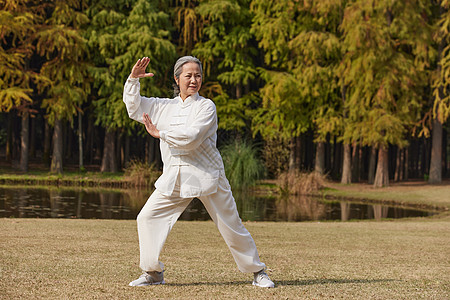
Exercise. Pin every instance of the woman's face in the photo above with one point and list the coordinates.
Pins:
(190, 80)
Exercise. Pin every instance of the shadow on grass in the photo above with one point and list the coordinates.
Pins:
(286, 282)
(230, 283)
(329, 281)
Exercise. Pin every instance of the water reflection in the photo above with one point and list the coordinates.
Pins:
(54, 202)
(304, 208)
(345, 210)
(301, 208)
(69, 203)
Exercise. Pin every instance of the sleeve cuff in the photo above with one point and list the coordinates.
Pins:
(133, 79)
(162, 135)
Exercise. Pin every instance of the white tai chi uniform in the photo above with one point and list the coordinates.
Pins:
(192, 168)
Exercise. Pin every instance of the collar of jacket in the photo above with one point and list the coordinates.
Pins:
(188, 101)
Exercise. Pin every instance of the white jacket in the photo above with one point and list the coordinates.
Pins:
(188, 139)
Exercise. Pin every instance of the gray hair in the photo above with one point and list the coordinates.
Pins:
(178, 68)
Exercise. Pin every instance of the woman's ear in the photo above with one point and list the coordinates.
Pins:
(176, 80)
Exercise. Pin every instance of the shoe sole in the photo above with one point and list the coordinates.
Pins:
(152, 283)
(263, 286)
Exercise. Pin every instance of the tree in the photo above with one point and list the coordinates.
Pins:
(318, 54)
(282, 112)
(187, 24)
(228, 52)
(18, 21)
(302, 50)
(61, 43)
(440, 84)
(123, 31)
(383, 70)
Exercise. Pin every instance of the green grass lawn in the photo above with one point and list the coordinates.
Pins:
(69, 178)
(96, 259)
(404, 193)
(68, 175)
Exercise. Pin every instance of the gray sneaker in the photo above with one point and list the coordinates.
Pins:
(261, 279)
(149, 278)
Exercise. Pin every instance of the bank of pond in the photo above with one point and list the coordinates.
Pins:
(89, 203)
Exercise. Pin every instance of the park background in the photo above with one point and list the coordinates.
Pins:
(356, 90)
(332, 97)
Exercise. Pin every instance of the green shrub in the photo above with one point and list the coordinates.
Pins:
(242, 164)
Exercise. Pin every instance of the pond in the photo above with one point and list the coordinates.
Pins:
(52, 202)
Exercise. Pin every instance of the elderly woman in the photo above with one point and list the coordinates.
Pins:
(193, 167)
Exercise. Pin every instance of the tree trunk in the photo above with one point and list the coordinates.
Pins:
(382, 174)
(406, 172)
(121, 151)
(415, 158)
(98, 145)
(109, 163)
(57, 155)
(346, 177)
(118, 143)
(16, 141)
(328, 157)
(47, 143)
(362, 162)
(68, 144)
(126, 155)
(398, 165)
(9, 137)
(32, 152)
(401, 176)
(89, 143)
(80, 142)
(320, 158)
(347, 165)
(238, 91)
(372, 164)
(436, 153)
(337, 159)
(424, 158)
(24, 142)
(355, 163)
(436, 147)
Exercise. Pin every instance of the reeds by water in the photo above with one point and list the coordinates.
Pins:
(243, 166)
(141, 174)
(300, 183)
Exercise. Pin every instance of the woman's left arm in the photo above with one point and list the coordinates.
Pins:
(192, 136)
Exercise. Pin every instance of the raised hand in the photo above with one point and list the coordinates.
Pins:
(151, 128)
(138, 70)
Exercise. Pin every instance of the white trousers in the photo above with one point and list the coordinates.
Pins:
(160, 213)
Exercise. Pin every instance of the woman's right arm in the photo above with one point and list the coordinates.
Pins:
(135, 103)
